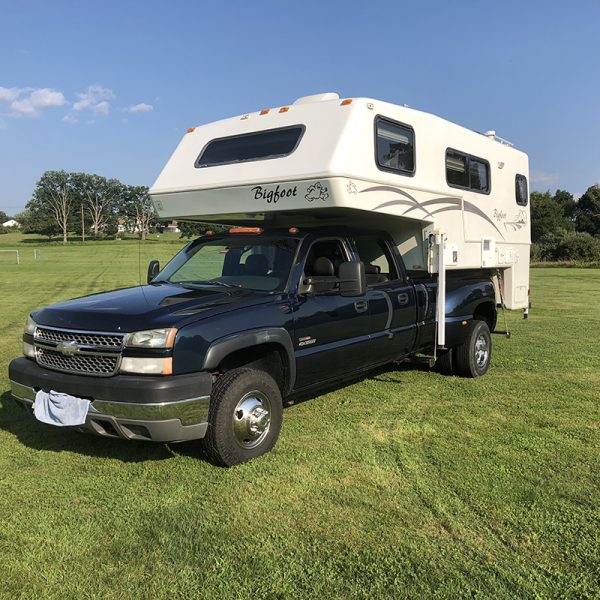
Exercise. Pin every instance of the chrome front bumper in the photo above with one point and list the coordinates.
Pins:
(174, 420)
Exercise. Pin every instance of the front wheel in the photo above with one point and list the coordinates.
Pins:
(245, 417)
(472, 358)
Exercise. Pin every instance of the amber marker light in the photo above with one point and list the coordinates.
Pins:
(284, 109)
(346, 102)
(245, 230)
(293, 230)
(265, 111)
(168, 366)
(191, 130)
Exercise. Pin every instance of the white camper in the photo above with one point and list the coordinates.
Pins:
(431, 183)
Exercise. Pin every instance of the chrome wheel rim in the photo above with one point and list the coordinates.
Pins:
(482, 350)
(252, 419)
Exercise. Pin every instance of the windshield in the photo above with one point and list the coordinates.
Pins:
(255, 263)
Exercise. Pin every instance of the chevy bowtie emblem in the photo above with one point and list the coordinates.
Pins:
(68, 348)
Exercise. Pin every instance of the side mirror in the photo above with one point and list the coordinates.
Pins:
(153, 270)
(353, 281)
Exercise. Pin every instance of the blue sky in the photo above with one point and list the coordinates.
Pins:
(110, 87)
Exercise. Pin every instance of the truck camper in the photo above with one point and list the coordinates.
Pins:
(360, 233)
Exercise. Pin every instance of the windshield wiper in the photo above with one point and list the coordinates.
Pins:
(199, 282)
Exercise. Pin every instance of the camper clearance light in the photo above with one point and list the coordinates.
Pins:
(245, 230)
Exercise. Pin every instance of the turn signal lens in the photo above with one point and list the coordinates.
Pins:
(147, 366)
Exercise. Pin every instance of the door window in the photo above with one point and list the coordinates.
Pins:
(379, 263)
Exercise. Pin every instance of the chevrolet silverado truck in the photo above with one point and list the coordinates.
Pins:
(237, 322)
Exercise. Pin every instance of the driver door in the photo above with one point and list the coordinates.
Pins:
(331, 331)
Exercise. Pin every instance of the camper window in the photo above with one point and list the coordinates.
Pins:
(395, 146)
(466, 171)
(258, 145)
(521, 190)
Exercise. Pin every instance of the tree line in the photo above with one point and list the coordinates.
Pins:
(63, 203)
(563, 228)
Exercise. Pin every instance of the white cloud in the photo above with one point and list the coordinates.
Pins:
(8, 94)
(30, 102)
(542, 178)
(95, 98)
(69, 118)
(139, 108)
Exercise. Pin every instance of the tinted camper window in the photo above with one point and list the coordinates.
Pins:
(521, 190)
(258, 145)
(466, 171)
(456, 169)
(395, 146)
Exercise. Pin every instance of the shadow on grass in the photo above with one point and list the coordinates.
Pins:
(39, 436)
(15, 420)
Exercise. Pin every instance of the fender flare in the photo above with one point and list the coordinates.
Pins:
(222, 347)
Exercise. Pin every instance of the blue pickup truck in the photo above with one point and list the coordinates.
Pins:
(237, 322)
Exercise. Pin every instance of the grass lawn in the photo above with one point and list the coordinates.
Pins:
(406, 484)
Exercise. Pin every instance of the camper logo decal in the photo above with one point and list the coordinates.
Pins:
(351, 188)
(499, 215)
(273, 196)
(317, 192)
(520, 220)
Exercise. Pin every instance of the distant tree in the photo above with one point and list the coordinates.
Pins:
(137, 209)
(3, 217)
(547, 216)
(37, 220)
(54, 195)
(99, 197)
(189, 229)
(566, 201)
(587, 215)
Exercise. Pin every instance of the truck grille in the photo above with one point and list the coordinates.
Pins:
(84, 364)
(99, 340)
(79, 352)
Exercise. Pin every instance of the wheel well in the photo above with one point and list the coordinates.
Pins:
(270, 358)
(486, 311)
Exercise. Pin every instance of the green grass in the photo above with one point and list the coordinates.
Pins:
(407, 484)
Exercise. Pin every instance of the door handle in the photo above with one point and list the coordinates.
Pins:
(361, 305)
(403, 299)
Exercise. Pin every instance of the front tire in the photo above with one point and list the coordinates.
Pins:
(472, 358)
(245, 417)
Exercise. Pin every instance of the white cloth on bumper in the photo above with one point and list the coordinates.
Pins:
(56, 408)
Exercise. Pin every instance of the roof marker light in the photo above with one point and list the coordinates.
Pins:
(265, 111)
(191, 130)
(346, 102)
(293, 230)
(284, 109)
(245, 230)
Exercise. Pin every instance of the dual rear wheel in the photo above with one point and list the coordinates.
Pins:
(472, 358)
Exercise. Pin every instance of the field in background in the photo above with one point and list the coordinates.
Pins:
(406, 484)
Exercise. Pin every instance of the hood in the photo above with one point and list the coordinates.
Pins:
(145, 307)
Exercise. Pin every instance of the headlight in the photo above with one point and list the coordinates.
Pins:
(30, 326)
(153, 338)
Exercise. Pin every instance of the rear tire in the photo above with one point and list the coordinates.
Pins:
(245, 417)
(472, 358)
